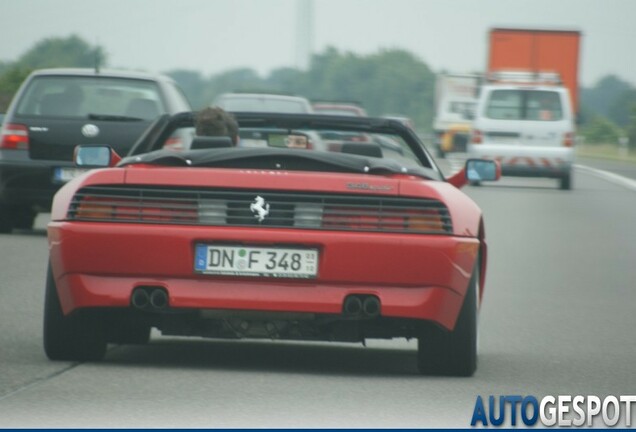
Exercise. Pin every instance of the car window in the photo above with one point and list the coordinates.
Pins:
(535, 105)
(337, 111)
(180, 98)
(543, 106)
(466, 109)
(258, 104)
(79, 96)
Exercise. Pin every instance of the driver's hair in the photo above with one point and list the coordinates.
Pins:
(214, 121)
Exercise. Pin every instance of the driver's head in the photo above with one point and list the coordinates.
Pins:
(214, 121)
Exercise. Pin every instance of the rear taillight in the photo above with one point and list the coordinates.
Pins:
(14, 137)
(122, 209)
(425, 220)
(568, 139)
(342, 217)
(173, 143)
(476, 137)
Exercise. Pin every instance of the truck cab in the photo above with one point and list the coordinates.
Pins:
(455, 102)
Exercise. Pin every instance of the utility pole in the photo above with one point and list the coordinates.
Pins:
(304, 33)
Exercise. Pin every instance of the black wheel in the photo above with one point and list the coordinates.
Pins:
(74, 338)
(454, 353)
(565, 182)
(23, 217)
(440, 153)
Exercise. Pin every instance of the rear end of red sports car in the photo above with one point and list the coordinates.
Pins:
(261, 241)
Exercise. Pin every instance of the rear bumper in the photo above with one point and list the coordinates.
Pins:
(527, 161)
(435, 304)
(535, 171)
(418, 277)
(28, 184)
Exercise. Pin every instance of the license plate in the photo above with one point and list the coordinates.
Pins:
(256, 261)
(64, 174)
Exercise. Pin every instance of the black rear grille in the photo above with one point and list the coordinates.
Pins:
(222, 207)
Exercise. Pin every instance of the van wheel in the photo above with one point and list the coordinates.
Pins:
(453, 353)
(565, 182)
(71, 338)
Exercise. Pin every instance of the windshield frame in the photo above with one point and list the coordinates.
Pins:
(165, 126)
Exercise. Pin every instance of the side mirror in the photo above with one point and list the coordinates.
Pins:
(482, 170)
(95, 156)
(476, 170)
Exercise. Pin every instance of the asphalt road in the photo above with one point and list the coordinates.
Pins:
(558, 318)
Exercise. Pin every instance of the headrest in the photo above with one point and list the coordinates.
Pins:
(209, 142)
(362, 149)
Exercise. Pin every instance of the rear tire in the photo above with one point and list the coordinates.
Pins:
(565, 182)
(453, 353)
(77, 337)
(6, 221)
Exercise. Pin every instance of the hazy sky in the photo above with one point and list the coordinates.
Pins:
(217, 35)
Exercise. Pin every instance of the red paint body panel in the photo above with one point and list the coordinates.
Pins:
(63, 197)
(98, 264)
(418, 276)
(260, 179)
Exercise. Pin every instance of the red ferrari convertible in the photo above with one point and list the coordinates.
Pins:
(331, 241)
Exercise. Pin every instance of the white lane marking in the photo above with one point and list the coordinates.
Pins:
(609, 176)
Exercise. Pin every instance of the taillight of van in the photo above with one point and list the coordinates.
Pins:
(14, 137)
(476, 137)
(568, 139)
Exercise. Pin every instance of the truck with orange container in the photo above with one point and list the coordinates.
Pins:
(526, 111)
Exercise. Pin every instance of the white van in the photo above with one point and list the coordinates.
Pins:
(529, 129)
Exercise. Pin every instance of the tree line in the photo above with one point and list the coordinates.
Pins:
(387, 82)
(390, 81)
